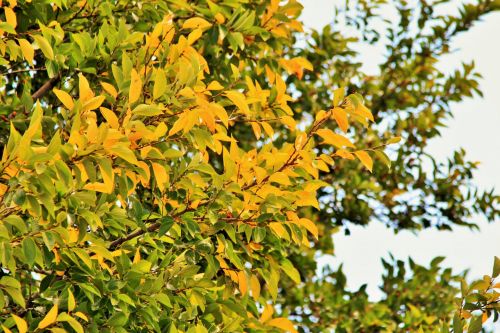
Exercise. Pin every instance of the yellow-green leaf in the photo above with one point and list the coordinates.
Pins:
(71, 301)
(44, 45)
(160, 84)
(395, 139)
(72, 321)
(338, 96)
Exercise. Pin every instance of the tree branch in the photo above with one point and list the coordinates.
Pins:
(46, 87)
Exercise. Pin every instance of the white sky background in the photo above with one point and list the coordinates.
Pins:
(476, 127)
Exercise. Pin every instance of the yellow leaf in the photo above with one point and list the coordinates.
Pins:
(71, 301)
(137, 256)
(341, 118)
(364, 111)
(27, 50)
(160, 84)
(93, 103)
(84, 88)
(279, 229)
(255, 287)
(282, 323)
(344, 154)
(65, 98)
(160, 175)
(243, 282)
(280, 178)
(334, 139)
(110, 117)
(365, 159)
(239, 100)
(256, 130)
(300, 140)
(196, 23)
(110, 89)
(6, 330)
(214, 85)
(219, 18)
(310, 226)
(268, 129)
(44, 45)
(21, 324)
(135, 89)
(81, 315)
(194, 36)
(267, 313)
(307, 199)
(50, 318)
(10, 16)
(98, 187)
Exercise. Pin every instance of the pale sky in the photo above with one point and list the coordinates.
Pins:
(476, 127)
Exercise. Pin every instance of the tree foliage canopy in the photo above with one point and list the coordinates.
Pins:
(176, 166)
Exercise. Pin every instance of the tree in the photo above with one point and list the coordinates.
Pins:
(174, 166)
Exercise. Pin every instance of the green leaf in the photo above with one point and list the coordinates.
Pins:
(496, 267)
(457, 324)
(291, 271)
(16, 295)
(29, 250)
(475, 325)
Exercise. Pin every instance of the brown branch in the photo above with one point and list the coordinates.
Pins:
(46, 87)
(132, 235)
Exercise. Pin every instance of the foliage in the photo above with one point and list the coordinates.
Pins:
(161, 162)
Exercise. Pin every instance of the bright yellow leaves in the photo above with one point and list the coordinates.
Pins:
(10, 16)
(110, 89)
(296, 66)
(85, 93)
(65, 98)
(365, 159)
(135, 89)
(21, 324)
(27, 50)
(239, 100)
(340, 117)
(161, 176)
(196, 23)
(50, 318)
(281, 323)
(334, 139)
